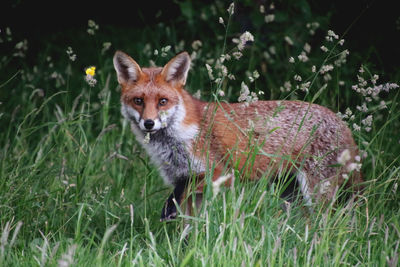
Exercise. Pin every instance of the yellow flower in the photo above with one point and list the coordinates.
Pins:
(91, 71)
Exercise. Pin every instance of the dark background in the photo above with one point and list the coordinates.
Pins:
(375, 25)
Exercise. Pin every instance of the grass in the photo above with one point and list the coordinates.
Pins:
(76, 189)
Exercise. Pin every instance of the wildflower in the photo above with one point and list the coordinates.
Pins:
(354, 167)
(342, 58)
(272, 6)
(297, 77)
(269, 18)
(262, 9)
(21, 48)
(312, 26)
(209, 70)
(93, 27)
(106, 46)
(356, 127)
(155, 52)
(291, 60)
(374, 78)
(89, 78)
(231, 76)
(326, 68)
(224, 70)
(363, 107)
(71, 54)
(244, 38)
(256, 75)
(331, 35)
(288, 40)
(221, 20)
(91, 71)
(221, 93)
(382, 105)
(324, 48)
(313, 68)
(302, 57)
(146, 139)
(367, 121)
(231, 8)
(341, 42)
(196, 44)
(287, 86)
(246, 96)
(237, 55)
(272, 49)
(307, 47)
(197, 94)
(164, 50)
(305, 86)
(344, 157)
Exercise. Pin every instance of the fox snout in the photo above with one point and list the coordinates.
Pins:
(148, 124)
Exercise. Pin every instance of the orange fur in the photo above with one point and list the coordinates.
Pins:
(290, 136)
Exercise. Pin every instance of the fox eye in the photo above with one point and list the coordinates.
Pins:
(138, 101)
(163, 101)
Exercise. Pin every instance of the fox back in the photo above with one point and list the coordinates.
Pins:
(184, 135)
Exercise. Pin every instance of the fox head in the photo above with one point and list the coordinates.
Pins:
(151, 97)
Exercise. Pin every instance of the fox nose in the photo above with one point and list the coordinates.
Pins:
(148, 124)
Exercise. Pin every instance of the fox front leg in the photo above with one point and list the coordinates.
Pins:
(169, 210)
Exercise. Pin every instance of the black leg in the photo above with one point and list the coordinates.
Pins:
(169, 211)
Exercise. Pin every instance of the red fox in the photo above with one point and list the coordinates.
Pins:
(185, 137)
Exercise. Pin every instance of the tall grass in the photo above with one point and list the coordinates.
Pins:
(76, 189)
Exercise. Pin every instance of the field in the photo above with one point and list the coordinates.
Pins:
(76, 189)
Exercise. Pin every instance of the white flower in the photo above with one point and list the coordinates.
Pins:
(146, 139)
(231, 76)
(302, 57)
(256, 75)
(324, 48)
(231, 8)
(356, 127)
(269, 18)
(307, 48)
(367, 121)
(71, 54)
(221, 20)
(288, 40)
(305, 86)
(326, 68)
(344, 157)
(237, 55)
(331, 35)
(291, 60)
(313, 68)
(196, 44)
(209, 70)
(246, 37)
(297, 77)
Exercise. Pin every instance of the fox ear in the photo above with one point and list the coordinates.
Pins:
(177, 68)
(127, 69)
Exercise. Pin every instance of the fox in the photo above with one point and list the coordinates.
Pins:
(186, 138)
